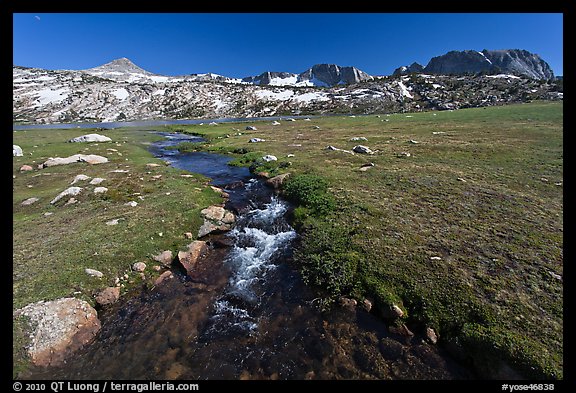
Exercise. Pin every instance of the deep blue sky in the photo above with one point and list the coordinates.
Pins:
(239, 45)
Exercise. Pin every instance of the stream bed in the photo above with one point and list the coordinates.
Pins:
(245, 312)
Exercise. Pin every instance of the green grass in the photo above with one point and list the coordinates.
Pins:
(50, 253)
(480, 194)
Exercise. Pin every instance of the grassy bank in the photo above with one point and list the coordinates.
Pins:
(464, 235)
(50, 252)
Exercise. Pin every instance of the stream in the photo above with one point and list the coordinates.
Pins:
(245, 312)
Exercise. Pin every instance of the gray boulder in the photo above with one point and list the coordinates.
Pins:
(17, 151)
(362, 149)
(70, 191)
(91, 138)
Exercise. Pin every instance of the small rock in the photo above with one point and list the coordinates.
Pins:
(139, 267)
(188, 235)
(48, 214)
(365, 167)
(435, 258)
(29, 201)
(347, 303)
(108, 295)
(290, 155)
(164, 276)
(79, 178)
(544, 179)
(554, 275)
(152, 165)
(275, 123)
(188, 259)
(212, 123)
(307, 119)
(431, 335)
(112, 222)
(156, 268)
(269, 158)
(255, 140)
(94, 273)
(558, 184)
(461, 179)
(100, 190)
(403, 154)
(91, 138)
(277, 181)
(165, 258)
(438, 132)
(251, 128)
(362, 149)
(414, 142)
(401, 330)
(316, 127)
(358, 138)
(96, 180)
(70, 191)
(71, 201)
(131, 203)
(366, 305)
(26, 168)
(156, 177)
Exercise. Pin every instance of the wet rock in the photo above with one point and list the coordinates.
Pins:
(26, 168)
(78, 178)
(362, 149)
(216, 220)
(139, 267)
(29, 201)
(222, 242)
(94, 273)
(91, 138)
(60, 328)
(108, 295)
(347, 303)
(277, 181)
(70, 191)
(17, 151)
(188, 259)
(165, 258)
(431, 335)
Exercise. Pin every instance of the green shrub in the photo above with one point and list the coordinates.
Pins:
(310, 191)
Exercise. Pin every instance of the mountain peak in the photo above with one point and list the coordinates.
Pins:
(122, 65)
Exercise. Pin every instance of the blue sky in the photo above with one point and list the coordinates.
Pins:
(244, 44)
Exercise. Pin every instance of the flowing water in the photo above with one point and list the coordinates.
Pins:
(245, 312)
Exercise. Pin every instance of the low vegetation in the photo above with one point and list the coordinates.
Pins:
(464, 234)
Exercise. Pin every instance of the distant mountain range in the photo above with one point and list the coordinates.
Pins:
(120, 90)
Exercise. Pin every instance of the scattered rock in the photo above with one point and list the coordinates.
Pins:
(438, 132)
(544, 179)
(47, 214)
(401, 330)
(209, 227)
(269, 158)
(251, 128)
(316, 127)
(214, 213)
(29, 201)
(188, 235)
(165, 258)
(122, 171)
(431, 335)
(108, 295)
(100, 190)
(362, 149)
(290, 155)
(139, 267)
(403, 154)
(264, 175)
(164, 276)
(17, 151)
(391, 349)
(156, 268)
(330, 147)
(358, 138)
(307, 119)
(212, 123)
(291, 119)
(277, 181)
(156, 177)
(275, 123)
(414, 142)
(435, 258)
(89, 158)
(96, 181)
(71, 201)
(396, 311)
(91, 138)
(78, 178)
(70, 191)
(152, 165)
(131, 203)
(113, 222)
(94, 273)
(188, 259)
(26, 168)
(61, 327)
(367, 166)
(554, 275)
(256, 140)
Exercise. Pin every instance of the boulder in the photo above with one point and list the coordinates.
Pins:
(362, 149)
(108, 295)
(216, 220)
(17, 151)
(60, 328)
(277, 181)
(89, 158)
(26, 168)
(91, 138)
(96, 181)
(100, 190)
(70, 191)
(165, 258)
(164, 276)
(214, 213)
(188, 259)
